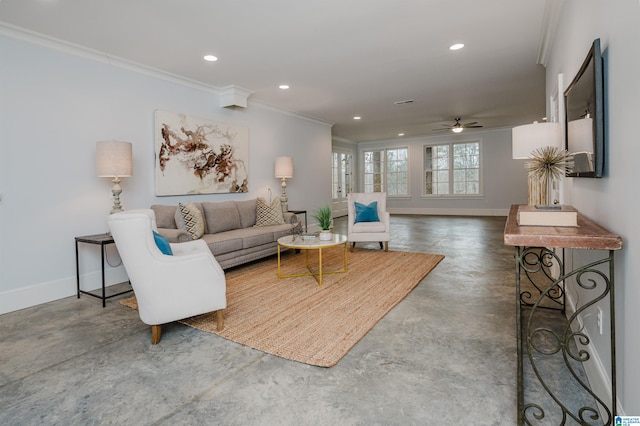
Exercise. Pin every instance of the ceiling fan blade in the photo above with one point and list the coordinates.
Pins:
(439, 130)
(472, 127)
(470, 124)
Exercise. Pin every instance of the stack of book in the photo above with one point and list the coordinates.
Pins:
(560, 215)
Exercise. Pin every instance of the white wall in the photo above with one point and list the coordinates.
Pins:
(611, 201)
(504, 180)
(55, 104)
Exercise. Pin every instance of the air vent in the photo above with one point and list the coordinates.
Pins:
(406, 101)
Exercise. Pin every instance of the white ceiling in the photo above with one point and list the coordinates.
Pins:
(341, 57)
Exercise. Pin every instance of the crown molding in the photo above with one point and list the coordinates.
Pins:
(98, 56)
(550, 19)
(39, 39)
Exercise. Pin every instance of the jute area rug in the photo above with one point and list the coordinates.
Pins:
(296, 319)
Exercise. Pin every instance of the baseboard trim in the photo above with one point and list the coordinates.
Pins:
(449, 211)
(597, 374)
(37, 294)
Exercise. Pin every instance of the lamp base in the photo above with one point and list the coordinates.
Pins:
(538, 191)
(116, 191)
(283, 198)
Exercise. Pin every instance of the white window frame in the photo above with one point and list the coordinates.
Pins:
(384, 170)
(451, 170)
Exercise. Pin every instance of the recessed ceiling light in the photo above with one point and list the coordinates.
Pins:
(284, 86)
(210, 58)
(400, 134)
(357, 117)
(456, 46)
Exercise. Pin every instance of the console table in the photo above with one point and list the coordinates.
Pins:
(548, 344)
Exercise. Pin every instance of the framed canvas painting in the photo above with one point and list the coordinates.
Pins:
(198, 156)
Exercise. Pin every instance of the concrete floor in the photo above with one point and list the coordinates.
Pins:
(446, 355)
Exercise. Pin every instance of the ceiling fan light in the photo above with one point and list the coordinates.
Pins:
(457, 129)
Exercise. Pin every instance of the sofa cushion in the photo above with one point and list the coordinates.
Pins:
(267, 215)
(368, 227)
(221, 216)
(165, 216)
(247, 211)
(223, 242)
(281, 231)
(189, 218)
(254, 236)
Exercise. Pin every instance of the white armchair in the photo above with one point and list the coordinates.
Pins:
(168, 288)
(358, 231)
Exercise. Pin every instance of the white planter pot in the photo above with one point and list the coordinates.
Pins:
(326, 235)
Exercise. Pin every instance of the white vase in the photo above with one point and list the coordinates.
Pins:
(325, 235)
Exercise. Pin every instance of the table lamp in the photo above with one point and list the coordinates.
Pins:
(526, 140)
(114, 159)
(284, 171)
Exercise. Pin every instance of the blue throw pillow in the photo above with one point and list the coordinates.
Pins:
(162, 243)
(367, 213)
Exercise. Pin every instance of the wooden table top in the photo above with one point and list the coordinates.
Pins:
(588, 235)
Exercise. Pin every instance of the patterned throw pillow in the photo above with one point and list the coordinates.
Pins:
(192, 220)
(267, 215)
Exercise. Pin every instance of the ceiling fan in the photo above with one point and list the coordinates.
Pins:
(457, 127)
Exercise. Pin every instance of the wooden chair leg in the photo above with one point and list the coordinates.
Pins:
(386, 246)
(155, 334)
(220, 318)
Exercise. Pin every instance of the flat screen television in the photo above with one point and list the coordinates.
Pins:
(584, 112)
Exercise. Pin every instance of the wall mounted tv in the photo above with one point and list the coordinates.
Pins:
(584, 107)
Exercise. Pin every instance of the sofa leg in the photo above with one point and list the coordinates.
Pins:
(220, 318)
(381, 246)
(155, 334)
(353, 245)
(386, 246)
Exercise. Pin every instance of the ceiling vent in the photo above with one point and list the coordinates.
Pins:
(406, 101)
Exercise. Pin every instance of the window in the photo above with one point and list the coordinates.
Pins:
(452, 169)
(341, 174)
(387, 170)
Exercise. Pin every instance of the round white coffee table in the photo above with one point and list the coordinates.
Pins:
(299, 243)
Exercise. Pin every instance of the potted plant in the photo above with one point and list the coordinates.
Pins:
(324, 217)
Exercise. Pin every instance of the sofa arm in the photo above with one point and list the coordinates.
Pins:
(175, 235)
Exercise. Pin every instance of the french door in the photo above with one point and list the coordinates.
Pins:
(341, 180)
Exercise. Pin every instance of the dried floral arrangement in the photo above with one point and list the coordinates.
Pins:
(549, 163)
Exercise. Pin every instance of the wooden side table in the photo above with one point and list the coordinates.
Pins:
(103, 240)
(536, 290)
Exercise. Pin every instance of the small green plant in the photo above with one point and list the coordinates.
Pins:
(323, 216)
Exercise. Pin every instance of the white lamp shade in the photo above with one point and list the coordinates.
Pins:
(284, 167)
(114, 158)
(526, 139)
(581, 135)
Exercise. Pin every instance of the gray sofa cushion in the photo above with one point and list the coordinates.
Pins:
(165, 216)
(252, 237)
(222, 242)
(247, 211)
(221, 216)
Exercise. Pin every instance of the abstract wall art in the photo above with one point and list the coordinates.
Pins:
(199, 156)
